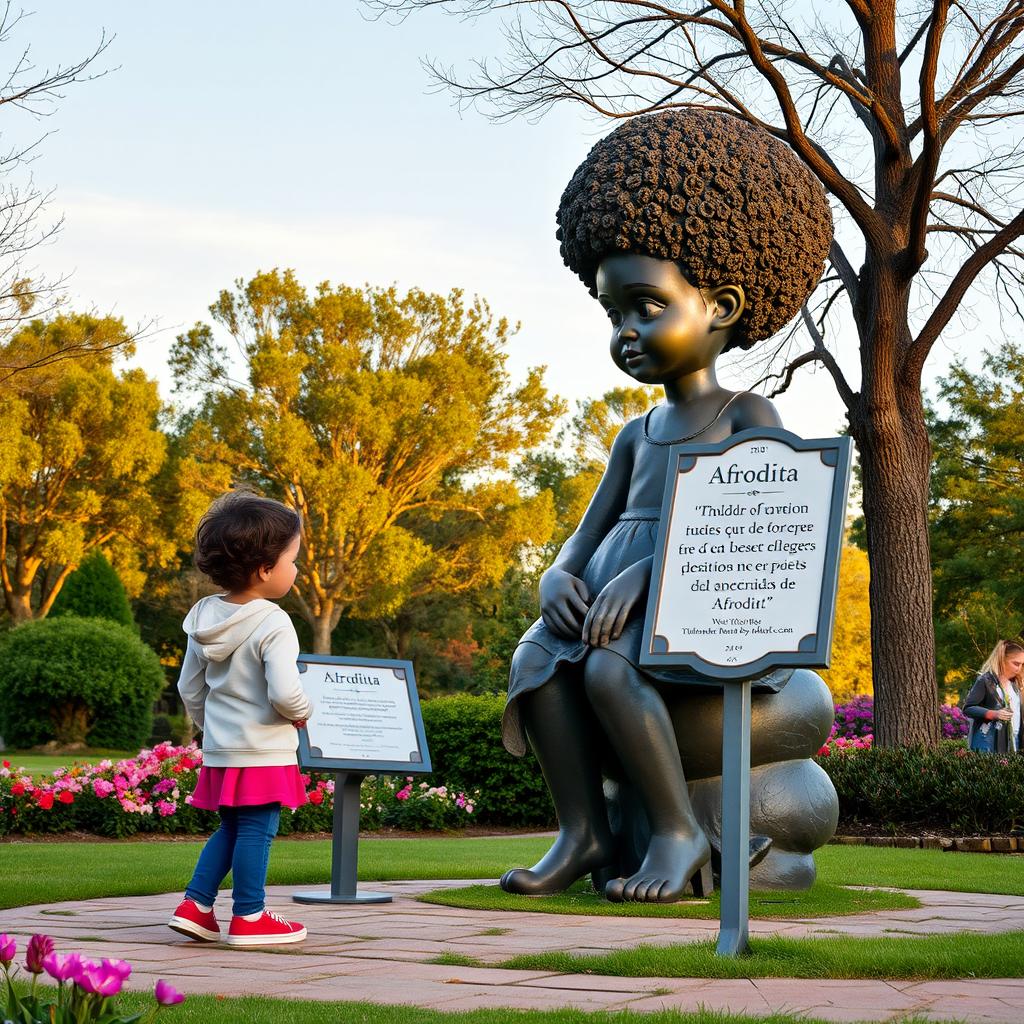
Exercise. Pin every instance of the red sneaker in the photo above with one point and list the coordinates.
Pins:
(195, 923)
(268, 930)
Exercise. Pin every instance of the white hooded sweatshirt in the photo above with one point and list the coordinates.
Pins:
(240, 682)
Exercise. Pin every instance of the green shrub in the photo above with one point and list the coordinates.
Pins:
(464, 738)
(94, 590)
(948, 787)
(77, 680)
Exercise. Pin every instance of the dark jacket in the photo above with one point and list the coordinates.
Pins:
(987, 695)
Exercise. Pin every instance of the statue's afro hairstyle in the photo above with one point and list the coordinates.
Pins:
(727, 201)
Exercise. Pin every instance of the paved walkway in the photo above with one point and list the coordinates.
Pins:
(351, 952)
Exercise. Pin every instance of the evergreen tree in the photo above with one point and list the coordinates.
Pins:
(94, 590)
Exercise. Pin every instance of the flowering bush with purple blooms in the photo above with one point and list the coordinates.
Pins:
(856, 719)
(84, 988)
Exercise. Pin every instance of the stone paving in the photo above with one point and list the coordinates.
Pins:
(351, 953)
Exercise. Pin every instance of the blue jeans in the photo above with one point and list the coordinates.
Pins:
(242, 846)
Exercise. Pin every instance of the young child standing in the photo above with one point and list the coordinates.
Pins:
(240, 684)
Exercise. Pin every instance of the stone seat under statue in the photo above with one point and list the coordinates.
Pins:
(792, 799)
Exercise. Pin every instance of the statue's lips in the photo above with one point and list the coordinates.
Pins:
(633, 357)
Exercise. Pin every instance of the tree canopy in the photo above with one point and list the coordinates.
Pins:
(977, 511)
(79, 445)
(910, 118)
(388, 421)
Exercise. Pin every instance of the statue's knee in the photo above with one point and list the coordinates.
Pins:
(608, 680)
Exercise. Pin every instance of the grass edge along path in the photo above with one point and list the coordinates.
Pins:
(52, 872)
(821, 900)
(264, 1010)
(910, 958)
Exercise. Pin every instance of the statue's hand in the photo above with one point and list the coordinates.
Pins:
(611, 608)
(563, 602)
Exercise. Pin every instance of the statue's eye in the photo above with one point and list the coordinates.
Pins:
(648, 308)
(614, 315)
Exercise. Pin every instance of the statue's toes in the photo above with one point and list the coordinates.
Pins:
(520, 881)
(613, 890)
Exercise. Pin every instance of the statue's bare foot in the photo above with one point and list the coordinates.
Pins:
(572, 855)
(670, 863)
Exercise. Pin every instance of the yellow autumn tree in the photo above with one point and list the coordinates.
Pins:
(387, 421)
(79, 444)
(850, 671)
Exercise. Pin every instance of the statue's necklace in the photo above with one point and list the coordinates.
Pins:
(690, 437)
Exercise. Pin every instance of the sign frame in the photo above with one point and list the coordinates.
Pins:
(814, 649)
(403, 670)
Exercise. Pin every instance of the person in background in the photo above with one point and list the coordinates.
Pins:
(240, 683)
(993, 703)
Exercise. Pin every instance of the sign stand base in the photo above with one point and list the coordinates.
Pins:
(735, 912)
(344, 848)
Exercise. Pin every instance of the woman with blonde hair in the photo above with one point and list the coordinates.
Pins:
(993, 704)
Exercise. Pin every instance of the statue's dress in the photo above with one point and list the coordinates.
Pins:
(630, 540)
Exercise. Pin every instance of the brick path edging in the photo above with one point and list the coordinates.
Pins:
(963, 844)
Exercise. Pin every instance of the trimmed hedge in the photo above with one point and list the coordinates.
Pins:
(948, 787)
(464, 739)
(77, 680)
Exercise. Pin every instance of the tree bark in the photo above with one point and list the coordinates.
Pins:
(19, 606)
(322, 633)
(887, 422)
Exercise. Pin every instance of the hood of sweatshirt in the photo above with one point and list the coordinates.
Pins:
(219, 628)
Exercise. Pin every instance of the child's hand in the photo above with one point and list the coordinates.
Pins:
(563, 602)
(299, 723)
(611, 608)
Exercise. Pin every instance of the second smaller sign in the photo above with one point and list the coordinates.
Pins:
(366, 716)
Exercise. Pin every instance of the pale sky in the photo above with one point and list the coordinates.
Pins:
(232, 137)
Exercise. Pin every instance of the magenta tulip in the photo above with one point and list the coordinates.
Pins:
(8, 949)
(166, 995)
(63, 968)
(122, 967)
(39, 947)
(99, 980)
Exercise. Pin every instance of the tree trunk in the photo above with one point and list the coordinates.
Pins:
(19, 606)
(895, 456)
(322, 633)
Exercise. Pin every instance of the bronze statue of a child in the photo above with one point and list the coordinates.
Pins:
(697, 233)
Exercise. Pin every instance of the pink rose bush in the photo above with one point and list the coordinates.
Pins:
(84, 988)
(145, 793)
(152, 792)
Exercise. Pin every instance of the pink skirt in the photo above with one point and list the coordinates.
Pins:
(248, 787)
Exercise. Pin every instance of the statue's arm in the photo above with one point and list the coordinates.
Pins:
(564, 598)
(605, 506)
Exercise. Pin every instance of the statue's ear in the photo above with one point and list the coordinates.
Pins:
(730, 302)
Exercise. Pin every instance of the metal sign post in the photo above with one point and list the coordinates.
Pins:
(744, 583)
(344, 848)
(735, 884)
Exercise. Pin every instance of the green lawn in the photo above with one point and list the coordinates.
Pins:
(912, 957)
(45, 764)
(50, 872)
(260, 1010)
(821, 900)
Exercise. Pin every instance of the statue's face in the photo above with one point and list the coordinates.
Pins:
(661, 324)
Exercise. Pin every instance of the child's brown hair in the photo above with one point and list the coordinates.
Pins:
(241, 533)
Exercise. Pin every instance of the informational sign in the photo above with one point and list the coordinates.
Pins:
(746, 566)
(366, 716)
